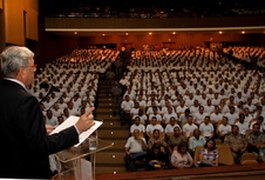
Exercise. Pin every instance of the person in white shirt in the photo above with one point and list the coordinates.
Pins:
(137, 125)
(248, 117)
(135, 110)
(242, 124)
(169, 129)
(209, 108)
(155, 113)
(181, 108)
(216, 116)
(232, 115)
(200, 116)
(168, 115)
(166, 101)
(141, 101)
(216, 99)
(126, 106)
(189, 127)
(223, 129)
(50, 119)
(152, 126)
(195, 107)
(207, 128)
(190, 100)
(135, 149)
(56, 111)
(183, 118)
(196, 140)
(260, 121)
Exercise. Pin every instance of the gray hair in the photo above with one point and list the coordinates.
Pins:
(13, 58)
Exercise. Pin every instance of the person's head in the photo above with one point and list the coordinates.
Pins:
(225, 120)
(210, 144)
(196, 103)
(187, 112)
(176, 131)
(140, 112)
(170, 109)
(256, 128)
(201, 109)
(196, 133)
(18, 63)
(260, 119)
(66, 112)
(209, 102)
(234, 130)
(232, 109)
(207, 120)
(156, 133)
(49, 114)
(70, 105)
(153, 120)
(56, 106)
(60, 119)
(241, 117)
(172, 120)
(182, 148)
(136, 133)
(190, 119)
(137, 120)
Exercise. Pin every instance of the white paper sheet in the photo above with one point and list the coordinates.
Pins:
(71, 121)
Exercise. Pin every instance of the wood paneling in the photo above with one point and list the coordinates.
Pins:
(21, 21)
(32, 24)
(14, 22)
(1, 4)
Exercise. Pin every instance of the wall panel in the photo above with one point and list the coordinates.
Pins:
(14, 22)
(32, 25)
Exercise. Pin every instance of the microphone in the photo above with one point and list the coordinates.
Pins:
(45, 85)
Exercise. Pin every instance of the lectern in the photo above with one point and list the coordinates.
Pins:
(79, 162)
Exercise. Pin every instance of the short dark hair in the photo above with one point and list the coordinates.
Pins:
(214, 143)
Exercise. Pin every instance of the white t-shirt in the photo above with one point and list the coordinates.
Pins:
(206, 129)
(150, 128)
(188, 129)
(140, 127)
(134, 145)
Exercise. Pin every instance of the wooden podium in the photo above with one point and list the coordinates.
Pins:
(79, 162)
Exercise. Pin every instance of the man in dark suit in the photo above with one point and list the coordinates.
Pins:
(25, 143)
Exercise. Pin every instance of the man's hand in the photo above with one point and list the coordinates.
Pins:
(49, 128)
(85, 121)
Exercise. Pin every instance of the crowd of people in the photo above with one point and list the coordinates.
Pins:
(251, 54)
(71, 83)
(188, 98)
(173, 100)
(156, 9)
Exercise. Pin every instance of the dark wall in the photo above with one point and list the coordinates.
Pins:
(52, 46)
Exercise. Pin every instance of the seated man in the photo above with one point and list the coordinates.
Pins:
(256, 140)
(196, 140)
(135, 149)
(237, 143)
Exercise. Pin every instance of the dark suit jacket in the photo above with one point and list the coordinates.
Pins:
(25, 144)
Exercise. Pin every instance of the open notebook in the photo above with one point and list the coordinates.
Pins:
(70, 122)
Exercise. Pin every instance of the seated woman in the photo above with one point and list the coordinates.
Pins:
(181, 158)
(208, 155)
(157, 158)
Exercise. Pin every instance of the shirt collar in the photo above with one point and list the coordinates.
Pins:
(17, 81)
